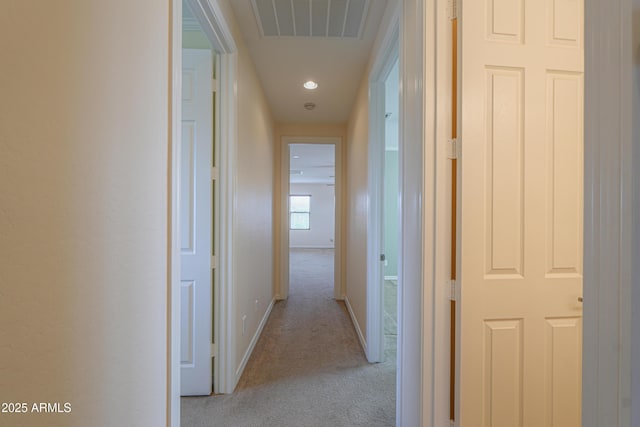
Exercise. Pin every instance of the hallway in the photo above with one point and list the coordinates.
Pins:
(308, 367)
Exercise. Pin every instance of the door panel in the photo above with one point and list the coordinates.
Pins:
(187, 188)
(563, 346)
(196, 223)
(521, 213)
(503, 364)
(187, 321)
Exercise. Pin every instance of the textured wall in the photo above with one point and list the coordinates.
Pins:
(83, 210)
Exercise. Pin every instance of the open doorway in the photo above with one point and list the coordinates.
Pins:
(312, 217)
(197, 210)
(199, 334)
(390, 213)
(383, 229)
(310, 206)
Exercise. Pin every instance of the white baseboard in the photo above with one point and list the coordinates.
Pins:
(356, 325)
(390, 277)
(312, 247)
(254, 340)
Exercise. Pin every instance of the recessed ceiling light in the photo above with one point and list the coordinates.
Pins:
(296, 157)
(310, 85)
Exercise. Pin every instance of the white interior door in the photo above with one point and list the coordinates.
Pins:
(521, 213)
(196, 220)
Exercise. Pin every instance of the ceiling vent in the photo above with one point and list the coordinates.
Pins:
(311, 18)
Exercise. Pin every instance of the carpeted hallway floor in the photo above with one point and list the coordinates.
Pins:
(308, 368)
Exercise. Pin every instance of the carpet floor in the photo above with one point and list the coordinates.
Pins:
(308, 368)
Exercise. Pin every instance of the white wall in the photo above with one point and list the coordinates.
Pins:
(254, 199)
(83, 210)
(322, 217)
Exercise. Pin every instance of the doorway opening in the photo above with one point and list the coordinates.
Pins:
(390, 213)
(312, 174)
(383, 225)
(199, 337)
(197, 210)
(310, 206)
(411, 393)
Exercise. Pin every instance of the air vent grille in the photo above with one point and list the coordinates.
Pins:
(311, 18)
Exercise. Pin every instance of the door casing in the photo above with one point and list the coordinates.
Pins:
(282, 287)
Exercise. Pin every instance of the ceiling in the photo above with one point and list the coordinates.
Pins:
(285, 62)
(312, 163)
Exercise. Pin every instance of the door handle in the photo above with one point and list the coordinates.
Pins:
(580, 299)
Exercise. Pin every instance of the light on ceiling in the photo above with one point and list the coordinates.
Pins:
(296, 157)
(310, 85)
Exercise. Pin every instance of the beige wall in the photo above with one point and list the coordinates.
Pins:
(356, 205)
(83, 210)
(254, 198)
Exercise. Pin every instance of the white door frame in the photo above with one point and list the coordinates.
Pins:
(416, 380)
(215, 27)
(383, 63)
(282, 288)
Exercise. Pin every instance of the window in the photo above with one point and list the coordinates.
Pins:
(299, 212)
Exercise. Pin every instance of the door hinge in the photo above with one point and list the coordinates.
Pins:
(214, 349)
(453, 9)
(214, 262)
(452, 290)
(453, 148)
(214, 85)
(214, 173)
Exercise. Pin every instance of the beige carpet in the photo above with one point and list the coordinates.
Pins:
(308, 368)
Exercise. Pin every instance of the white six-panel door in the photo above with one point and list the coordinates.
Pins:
(521, 213)
(196, 223)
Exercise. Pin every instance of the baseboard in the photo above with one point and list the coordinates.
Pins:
(390, 277)
(254, 340)
(356, 325)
